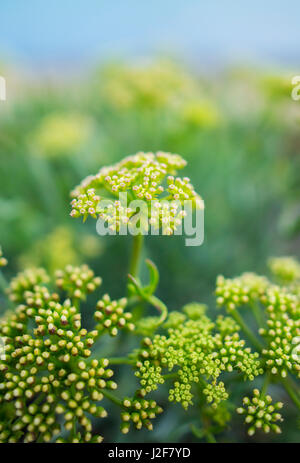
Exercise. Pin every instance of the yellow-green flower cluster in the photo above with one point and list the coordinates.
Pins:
(235, 292)
(285, 269)
(60, 134)
(138, 411)
(201, 113)
(283, 327)
(48, 379)
(112, 316)
(55, 250)
(150, 87)
(85, 204)
(195, 354)
(26, 281)
(77, 281)
(194, 310)
(227, 325)
(144, 176)
(261, 413)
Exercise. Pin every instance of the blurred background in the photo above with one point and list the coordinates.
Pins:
(90, 82)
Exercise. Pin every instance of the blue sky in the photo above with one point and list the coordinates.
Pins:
(59, 33)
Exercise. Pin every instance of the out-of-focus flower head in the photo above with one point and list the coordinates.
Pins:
(58, 249)
(149, 87)
(55, 250)
(285, 269)
(60, 134)
(200, 114)
(150, 177)
(276, 86)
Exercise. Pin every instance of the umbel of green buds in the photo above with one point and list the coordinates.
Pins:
(261, 413)
(197, 354)
(139, 412)
(285, 269)
(151, 177)
(50, 384)
(111, 315)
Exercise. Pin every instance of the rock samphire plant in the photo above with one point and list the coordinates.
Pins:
(54, 383)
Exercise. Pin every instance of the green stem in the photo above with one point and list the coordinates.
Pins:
(265, 385)
(235, 314)
(73, 432)
(136, 255)
(289, 389)
(120, 361)
(113, 398)
(257, 314)
(170, 376)
(153, 300)
(210, 437)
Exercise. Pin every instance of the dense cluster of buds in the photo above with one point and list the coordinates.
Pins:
(261, 413)
(50, 386)
(283, 327)
(195, 353)
(26, 281)
(77, 281)
(236, 292)
(138, 411)
(111, 316)
(145, 176)
(285, 269)
(277, 312)
(85, 204)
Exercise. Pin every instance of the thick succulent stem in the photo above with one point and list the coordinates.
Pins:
(136, 255)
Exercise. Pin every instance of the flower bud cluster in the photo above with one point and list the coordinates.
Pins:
(261, 413)
(227, 325)
(26, 281)
(196, 354)
(85, 204)
(142, 177)
(77, 281)
(49, 382)
(111, 316)
(283, 326)
(180, 189)
(236, 292)
(138, 411)
(285, 269)
(116, 215)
